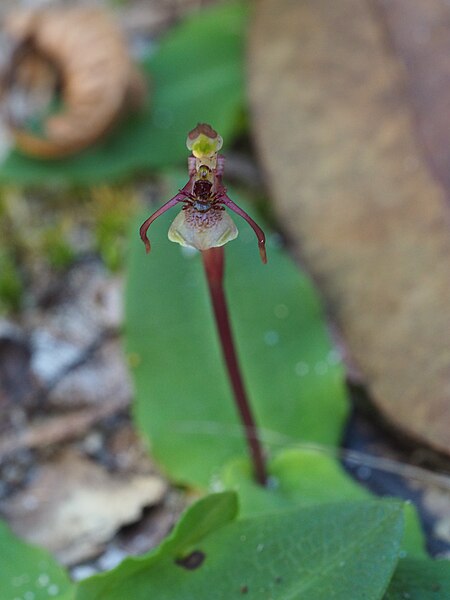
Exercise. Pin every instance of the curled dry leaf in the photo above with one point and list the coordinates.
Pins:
(83, 51)
(360, 190)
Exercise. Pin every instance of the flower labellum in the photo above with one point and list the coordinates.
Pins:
(202, 230)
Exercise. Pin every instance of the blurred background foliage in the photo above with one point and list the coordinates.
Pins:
(195, 73)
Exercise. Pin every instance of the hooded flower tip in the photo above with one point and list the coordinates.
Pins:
(204, 141)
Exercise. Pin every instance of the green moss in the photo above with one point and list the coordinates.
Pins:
(111, 209)
(57, 251)
(11, 285)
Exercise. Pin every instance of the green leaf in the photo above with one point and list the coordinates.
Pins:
(297, 477)
(196, 75)
(207, 515)
(420, 580)
(300, 477)
(183, 400)
(29, 572)
(341, 551)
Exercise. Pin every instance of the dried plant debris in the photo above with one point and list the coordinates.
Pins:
(354, 189)
(76, 52)
(384, 465)
(63, 371)
(87, 305)
(144, 19)
(100, 379)
(85, 508)
(48, 433)
(17, 383)
(47, 233)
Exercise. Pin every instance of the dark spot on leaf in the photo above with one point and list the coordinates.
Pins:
(192, 561)
(278, 579)
(244, 589)
(435, 587)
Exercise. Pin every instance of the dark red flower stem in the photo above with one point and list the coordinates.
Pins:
(213, 261)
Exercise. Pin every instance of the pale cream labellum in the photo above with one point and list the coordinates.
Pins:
(202, 230)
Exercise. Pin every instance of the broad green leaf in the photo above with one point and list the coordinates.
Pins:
(340, 551)
(27, 572)
(207, 515)
(195, 75)
(300, 477)
(420, 580)
(183, 403)
(296, 477)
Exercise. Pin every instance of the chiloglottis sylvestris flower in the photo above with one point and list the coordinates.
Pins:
(203, 222)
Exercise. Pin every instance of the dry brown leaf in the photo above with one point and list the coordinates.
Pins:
(337, 133)
(98, 78)
(74, 506)
(420, 35)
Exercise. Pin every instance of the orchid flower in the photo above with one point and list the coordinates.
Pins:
(203, 222)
